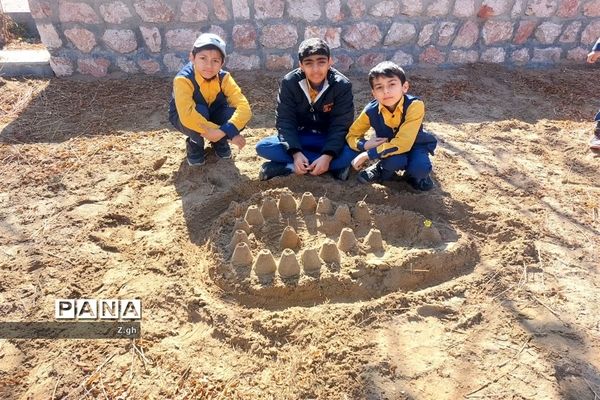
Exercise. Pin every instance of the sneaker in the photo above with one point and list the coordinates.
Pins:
(271, 169)
(421, 185)
(595, 140)
(371, 174)
(222, 149)
(341, 174)
(195, 153)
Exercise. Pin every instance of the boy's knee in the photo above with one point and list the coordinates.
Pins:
(420, 168)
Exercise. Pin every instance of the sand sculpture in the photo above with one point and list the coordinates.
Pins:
(269, 209)
(288, 264)
(242, 256)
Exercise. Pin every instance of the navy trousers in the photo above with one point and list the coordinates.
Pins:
(217, 115)
(312, 145)
(415, 163)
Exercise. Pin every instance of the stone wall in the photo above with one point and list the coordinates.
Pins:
(155, 36)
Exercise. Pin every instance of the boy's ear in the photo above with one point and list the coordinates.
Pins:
(191, 56)
(405, 87)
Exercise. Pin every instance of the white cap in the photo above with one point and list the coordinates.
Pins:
(207, 39)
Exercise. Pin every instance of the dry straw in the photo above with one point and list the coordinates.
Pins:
(288, 264)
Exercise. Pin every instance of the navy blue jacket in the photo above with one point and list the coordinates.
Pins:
(331, 114)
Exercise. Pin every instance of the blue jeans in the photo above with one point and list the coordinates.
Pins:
(218, 115)
(416, 163)
(312, 144)
(597, 117)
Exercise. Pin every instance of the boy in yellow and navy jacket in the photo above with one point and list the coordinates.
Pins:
(400, 142)
(207, 103)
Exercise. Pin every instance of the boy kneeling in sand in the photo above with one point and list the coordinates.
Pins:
(400, 142)
(207, 103)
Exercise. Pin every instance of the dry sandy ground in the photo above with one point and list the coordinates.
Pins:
(499, 302)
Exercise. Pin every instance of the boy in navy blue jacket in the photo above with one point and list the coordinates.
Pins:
(592, 58)
(315, 108)
(207, 104)
(400, 143)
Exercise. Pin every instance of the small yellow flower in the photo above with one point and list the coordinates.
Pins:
(427, 223)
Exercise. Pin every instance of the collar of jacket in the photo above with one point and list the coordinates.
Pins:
(381, 107)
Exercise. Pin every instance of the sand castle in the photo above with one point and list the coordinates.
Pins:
(242, 256)
(329, 252)
(324, 206)
(361, 212)
(310, 260)
(239, 236)
(347, 240)
(308, 204)
(289, 239)
(373, 240)
(288, 264)
(241, 224)
(287, 203)
(342, 214)
(253, 216)
(264, 264)
(269, 209)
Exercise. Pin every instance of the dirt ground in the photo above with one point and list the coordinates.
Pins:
(486, 287)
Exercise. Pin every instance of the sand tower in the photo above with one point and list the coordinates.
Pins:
(253, 216)
(324, 206)
(329, 252)
(308, 204)
(239, 236)
(342, 214)
(264, 263)
(347, 240)
(288, 264)
(310, 260)
(241, 224)
(242, 256)
(269, 208)
(361, 212)
(289, 239)
(374, 240)
(287, 203)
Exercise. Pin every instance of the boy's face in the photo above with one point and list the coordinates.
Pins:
(315, 68)
(388, 91)
(207, 62)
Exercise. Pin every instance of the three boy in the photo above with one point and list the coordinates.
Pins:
(315, 110)
(206, 103)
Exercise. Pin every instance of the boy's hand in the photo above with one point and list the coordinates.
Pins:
(374, 142)
(300, 163)
(213, 135)
(320, 165)
(239, 141)
(593, 57)
(360, 160)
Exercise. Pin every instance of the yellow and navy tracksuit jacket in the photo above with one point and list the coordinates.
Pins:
(193, 97)
(403, 128)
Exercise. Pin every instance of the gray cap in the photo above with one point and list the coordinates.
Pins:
(207, 39)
